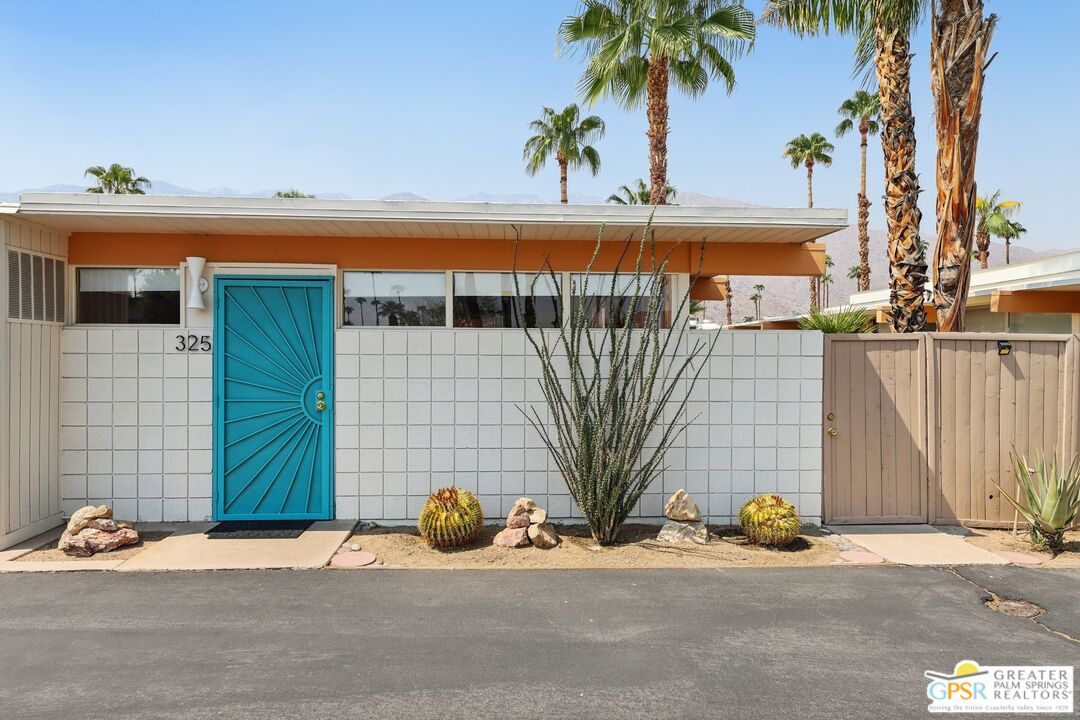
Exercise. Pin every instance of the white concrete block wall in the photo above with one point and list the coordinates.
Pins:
(136, 423)
(417, 409)
(420, 409)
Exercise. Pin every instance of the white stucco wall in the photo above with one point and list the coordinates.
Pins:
(417, 409)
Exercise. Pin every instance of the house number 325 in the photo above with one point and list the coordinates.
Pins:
(193, 343)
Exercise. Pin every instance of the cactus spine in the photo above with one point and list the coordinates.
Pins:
(451, 517)
(769, 520)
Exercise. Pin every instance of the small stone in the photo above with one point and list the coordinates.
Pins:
(537, 515)
(681, 506)
(82, 517)
(512, 538)
(355, 547)
(543, 535)
(676, 531)
(89, 541)
(518, 517)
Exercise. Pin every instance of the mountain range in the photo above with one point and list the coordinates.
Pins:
(782, 295)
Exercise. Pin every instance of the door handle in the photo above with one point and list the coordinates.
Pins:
(320, 406)
(831, 432)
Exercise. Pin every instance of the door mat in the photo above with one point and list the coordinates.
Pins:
(258, 529)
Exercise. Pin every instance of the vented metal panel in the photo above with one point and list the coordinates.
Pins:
(13, 284)
(26, 291)
(35, 287)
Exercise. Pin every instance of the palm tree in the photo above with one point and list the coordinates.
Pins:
(992, 214)
(804, 150)
(292, 193)
(884, 30)
(1010, 231)
(639, 194)
(862, 110)
(116, 180)
(808, 151)
(756, 299)
(959, 55)
(854, 271)
(748, 318)
(823, 282)
(566, 136)
(637, 49)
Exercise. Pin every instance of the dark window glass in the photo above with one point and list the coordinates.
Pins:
(608, 299)
(489, 300)
(128, 296)
(395, 299)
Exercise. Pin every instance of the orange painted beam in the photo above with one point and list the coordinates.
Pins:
(1035, 301)
(149, 249)
(714, 288)
(780, 325)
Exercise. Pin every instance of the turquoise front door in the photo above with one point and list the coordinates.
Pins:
(273, 397)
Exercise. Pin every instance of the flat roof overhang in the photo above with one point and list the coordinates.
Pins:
(92, 213)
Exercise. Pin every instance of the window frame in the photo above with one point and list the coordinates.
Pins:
(447, 298)
(72, 309)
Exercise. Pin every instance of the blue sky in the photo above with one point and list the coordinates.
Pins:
(431, 97)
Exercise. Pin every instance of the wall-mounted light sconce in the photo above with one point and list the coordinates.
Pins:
(198, 284)
(1004, 347)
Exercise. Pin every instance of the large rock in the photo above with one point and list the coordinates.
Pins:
(518, 517)
(512, 538)
(681, 506)
(90, 540)
(676, 531)
(543, 535)
(537, 515)
(86, 516)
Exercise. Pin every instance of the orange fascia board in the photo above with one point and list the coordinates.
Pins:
(152, 249)
(780, 325)
(884, 316)
(714, 288)
(1035, 301)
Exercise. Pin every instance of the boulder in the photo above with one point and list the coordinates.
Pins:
(537, 515)
(84, 516)
(512, 538)
(676, 531)
(518, 517)
(543, 535)
(681, 506)
(89, 540)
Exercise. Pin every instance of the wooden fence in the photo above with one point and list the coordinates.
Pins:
(920, 428)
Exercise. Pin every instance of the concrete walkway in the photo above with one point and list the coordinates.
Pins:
(191, 549)
(917, 545)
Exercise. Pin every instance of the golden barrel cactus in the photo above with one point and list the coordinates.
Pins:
(769, 520)
(451, 517)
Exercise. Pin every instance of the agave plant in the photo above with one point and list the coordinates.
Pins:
(1051, 497)
(844, 320)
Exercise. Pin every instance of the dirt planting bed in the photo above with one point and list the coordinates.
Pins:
(402, 547)
(1007, 541)
(48, 552)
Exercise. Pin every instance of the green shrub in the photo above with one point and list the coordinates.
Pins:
(844, 320)
(451, 517)
(769, 520)
(1051, 497)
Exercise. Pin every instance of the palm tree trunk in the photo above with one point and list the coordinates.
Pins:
(907, 256)
(982, 241)
(809, 182)
(864, 213)
(656, 89)
(960, 38)
(727, 303)
(562, 180)
(1006, 251)
(813, 292)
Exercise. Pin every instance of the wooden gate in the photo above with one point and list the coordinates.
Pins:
(875, 429)
(984, 406)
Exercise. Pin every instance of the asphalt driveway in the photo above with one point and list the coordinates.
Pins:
(770, 643)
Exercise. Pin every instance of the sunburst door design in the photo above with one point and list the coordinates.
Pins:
(273, 398)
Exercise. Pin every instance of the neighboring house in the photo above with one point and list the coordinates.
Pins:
(188, 358)
(1036, 296)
